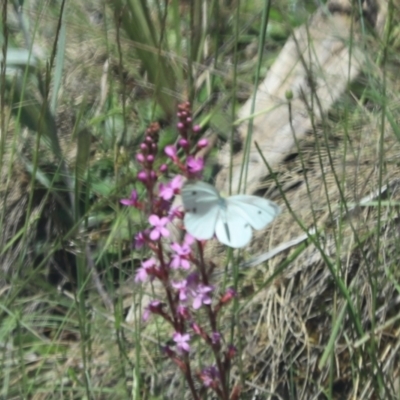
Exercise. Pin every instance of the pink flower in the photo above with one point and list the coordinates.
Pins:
(193, 280)
(171, 152)
(132, 201)
(180, 258)
(183, 311)
(182, 341)
(145, 270)
(194, 165)
(140, 240)
(174, 212)
(154, 307)
(169, 190)
(182, 289)
(159, 227)
(210, 376)
(189, 239)
(201, 296)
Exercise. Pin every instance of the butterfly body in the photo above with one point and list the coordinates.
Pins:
(230, 219)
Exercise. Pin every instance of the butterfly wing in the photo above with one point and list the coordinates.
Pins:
(258, 212)
(201, 203)
(230, 219)
(232, 229)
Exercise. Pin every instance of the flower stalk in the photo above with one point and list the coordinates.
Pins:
(180, 266)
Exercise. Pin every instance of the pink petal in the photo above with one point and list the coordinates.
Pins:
(154, 234)
(154, 220)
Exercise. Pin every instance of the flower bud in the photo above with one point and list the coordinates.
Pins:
(144, 147)
(140, 158)
(153, 176)
(289, 95)
(171, 151)
(196, 129)
(202, 143)
(142, 176)
(163, 168)
(183, 143)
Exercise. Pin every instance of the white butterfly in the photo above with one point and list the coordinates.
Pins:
(230, 219)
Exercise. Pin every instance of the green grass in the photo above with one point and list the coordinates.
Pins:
(79, 84)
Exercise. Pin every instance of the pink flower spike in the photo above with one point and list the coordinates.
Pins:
(182, 341)
(171, 152)
(194, 165)
(159, 229)
(132, 201)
